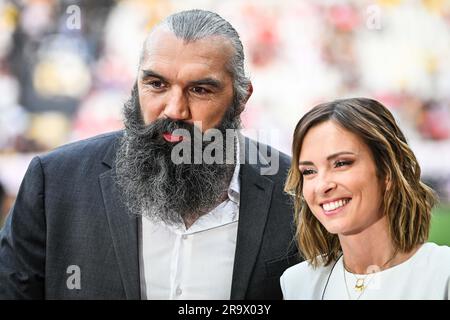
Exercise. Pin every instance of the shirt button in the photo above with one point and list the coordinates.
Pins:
(184, 237)
(179, 291)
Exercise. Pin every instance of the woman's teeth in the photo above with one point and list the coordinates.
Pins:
(335, 204)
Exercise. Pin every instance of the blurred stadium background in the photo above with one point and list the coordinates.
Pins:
(66, 68)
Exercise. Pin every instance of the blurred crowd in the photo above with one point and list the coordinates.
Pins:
(67, 67)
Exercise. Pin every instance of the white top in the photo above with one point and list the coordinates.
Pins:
(196, 263)
(425, 275)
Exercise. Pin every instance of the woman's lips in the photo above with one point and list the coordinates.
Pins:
(172, 138)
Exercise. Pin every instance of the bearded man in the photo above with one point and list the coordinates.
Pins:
(118, 216)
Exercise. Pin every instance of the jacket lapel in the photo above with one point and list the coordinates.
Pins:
(256, 194)
(123, 229)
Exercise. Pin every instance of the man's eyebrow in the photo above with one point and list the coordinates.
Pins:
(330, 157)
(152, 74)
(207, 81)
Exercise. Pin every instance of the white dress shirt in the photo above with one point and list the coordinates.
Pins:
(196, 263)
(425, 275)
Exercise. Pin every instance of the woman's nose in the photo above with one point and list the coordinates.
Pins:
(325, 185)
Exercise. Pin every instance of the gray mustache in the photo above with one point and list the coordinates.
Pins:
(155, 129)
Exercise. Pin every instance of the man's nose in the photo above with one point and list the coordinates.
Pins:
(177, 107)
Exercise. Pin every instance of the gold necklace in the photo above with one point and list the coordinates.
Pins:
(361, 288)
(360, 284)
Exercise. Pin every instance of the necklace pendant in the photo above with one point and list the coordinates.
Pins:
(359, 286)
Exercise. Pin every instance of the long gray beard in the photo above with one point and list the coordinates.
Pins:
(152, 185)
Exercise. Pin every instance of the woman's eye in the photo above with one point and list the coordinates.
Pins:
(307, 172)
(342, 163)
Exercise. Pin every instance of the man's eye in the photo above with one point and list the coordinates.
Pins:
(157, 84)
(199, 90)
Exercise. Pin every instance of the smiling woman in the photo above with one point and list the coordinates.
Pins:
(339, 174)
(362, 212)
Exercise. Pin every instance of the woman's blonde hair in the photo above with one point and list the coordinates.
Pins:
(407, 201)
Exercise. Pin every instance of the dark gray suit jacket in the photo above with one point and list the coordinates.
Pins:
(68, 212)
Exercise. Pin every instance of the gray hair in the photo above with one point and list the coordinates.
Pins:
(194, 25)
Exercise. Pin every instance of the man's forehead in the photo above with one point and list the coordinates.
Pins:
(163, 42)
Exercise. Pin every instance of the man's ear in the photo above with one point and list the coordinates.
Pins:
(249, 94)
(249, 91)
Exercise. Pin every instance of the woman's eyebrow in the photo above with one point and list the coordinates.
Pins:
(330, 157)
